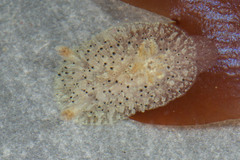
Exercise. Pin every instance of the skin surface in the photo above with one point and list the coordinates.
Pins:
(215, 96)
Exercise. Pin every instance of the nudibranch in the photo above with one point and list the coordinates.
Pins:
(125, 69)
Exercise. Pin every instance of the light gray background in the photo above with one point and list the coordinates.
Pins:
(30, 127)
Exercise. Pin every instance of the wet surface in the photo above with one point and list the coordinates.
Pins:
(216, 94)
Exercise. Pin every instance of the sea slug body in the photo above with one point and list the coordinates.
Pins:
(128, 68)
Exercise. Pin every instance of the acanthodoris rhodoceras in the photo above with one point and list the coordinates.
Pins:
(128, 68)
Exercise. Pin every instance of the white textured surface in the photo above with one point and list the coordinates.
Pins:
(29, 123)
